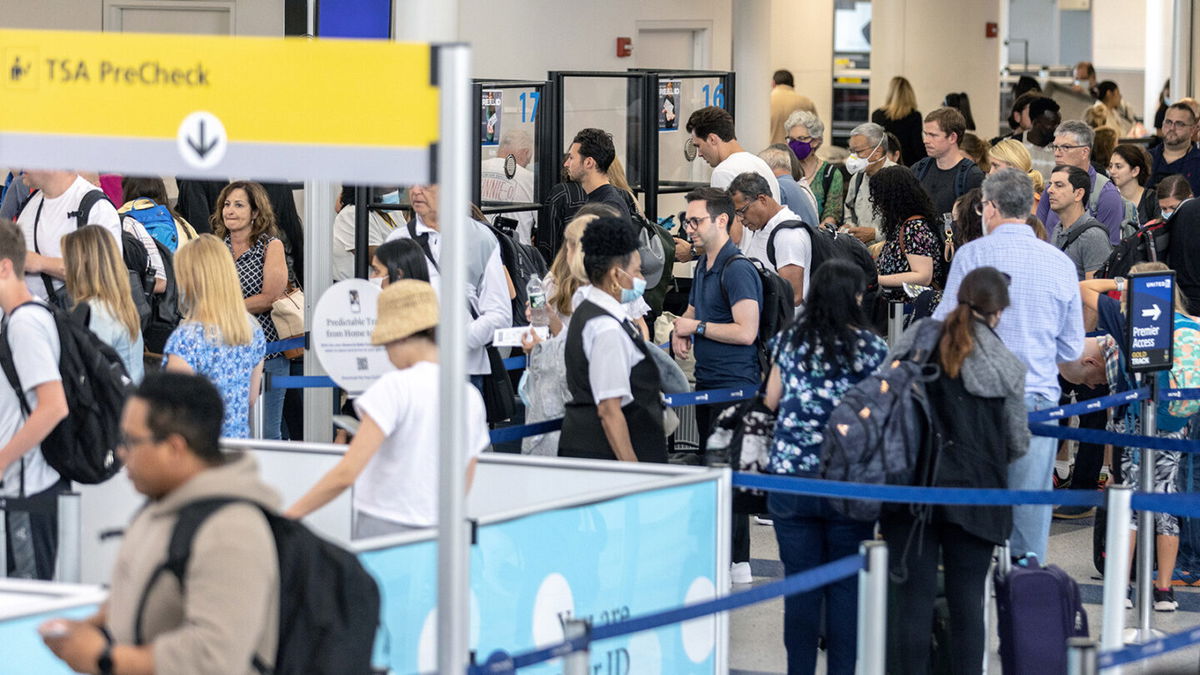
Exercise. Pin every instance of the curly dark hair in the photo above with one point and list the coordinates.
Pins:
(607, 242)
(896, 196)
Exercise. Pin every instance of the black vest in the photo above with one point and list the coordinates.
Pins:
(582, 434)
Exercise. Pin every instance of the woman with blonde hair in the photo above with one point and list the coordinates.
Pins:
(97, 279)
(217, 337)
(1012, 154)
(245, 220)
(899, 115)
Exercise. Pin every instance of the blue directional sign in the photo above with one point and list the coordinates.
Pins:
(1150, 320)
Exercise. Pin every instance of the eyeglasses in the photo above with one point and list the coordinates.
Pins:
(1063, 148)
(741, 213)
(979, 207)
(695, 222)
(802, 139)
(1178, 124)
(128, 443)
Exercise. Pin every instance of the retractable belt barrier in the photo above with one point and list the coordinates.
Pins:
(803, 582)
(1150, 649)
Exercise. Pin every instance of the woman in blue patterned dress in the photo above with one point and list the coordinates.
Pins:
(216, 338)
(828, 349)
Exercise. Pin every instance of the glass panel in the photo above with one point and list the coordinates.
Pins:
(612, 104)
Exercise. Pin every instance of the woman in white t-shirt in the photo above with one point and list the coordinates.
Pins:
(393, 460)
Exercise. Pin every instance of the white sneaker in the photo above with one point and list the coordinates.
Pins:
(763, 521)
(739, 573)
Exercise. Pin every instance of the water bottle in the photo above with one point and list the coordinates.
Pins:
(538, 312)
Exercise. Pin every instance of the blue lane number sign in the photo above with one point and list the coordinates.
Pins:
(1150, 320)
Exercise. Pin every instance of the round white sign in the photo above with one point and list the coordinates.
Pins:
(342, 323)
(202, 140)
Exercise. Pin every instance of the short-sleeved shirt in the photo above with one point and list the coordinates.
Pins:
(607, 194)
(229, 367)
(742, 162)
(941, 184)
(830, 204)
(251, 267)
(1188, 166)
(719, 364)
(799, 199)
(50, 219)
(914, 237)
(379, 226)
(609, 377)
(33, 338)
(812, 386)
(400, 483)
(1089, 250)
(793, 246)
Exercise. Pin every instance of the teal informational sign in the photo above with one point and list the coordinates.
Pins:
(607, 562)
(23, 650)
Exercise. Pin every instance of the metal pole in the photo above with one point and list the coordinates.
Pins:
(362, 233)
(1082, 657)
(67, 562)
(453, 71)
(1145, 533)
(872, 609)
(895, 322)
(1181, 50)
(3, 539)
(580, 662)
(256, 412)
(318, 261)
(1116, 566)
(312, 17)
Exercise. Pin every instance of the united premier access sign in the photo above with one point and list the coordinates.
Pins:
(1150, 318)
(279, 108)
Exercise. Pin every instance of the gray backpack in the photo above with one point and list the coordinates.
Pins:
(1129, 219)
(876, 432)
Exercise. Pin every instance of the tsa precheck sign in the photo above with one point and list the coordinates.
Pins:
(1151, 320)
(273, 108)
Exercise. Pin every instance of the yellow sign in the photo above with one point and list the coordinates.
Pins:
(209, 96)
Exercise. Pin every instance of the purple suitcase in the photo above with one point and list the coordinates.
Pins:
(1038, 609)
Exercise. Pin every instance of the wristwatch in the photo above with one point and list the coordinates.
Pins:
(1120, 282)
(701, 327)
(104, 663)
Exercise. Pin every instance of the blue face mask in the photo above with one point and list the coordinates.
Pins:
(628, 295)
(392, 197)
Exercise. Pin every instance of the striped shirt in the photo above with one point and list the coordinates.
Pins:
(1043, 325)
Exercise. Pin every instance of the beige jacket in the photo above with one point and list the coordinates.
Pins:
(231, 608)
(785, 101)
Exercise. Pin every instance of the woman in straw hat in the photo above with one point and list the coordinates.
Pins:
(616, 409)
(393, 461)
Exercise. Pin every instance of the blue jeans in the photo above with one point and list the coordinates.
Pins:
(810, 534)
(1031, 522)
(273, 399)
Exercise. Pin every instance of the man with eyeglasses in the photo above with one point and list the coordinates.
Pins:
(1177, 154)
(721, 324)
(1073, 147)
(1043, 326)
(32, 535)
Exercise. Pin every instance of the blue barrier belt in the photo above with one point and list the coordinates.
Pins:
(519, 362)
(802, 582)
(916, 495)
(1091, 405)
(1178, 504)
(1153, 648)
(507, 434)
(1112, 438)
(297, 342)
(300, 382)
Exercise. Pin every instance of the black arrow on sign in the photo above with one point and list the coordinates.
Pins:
(202, 147)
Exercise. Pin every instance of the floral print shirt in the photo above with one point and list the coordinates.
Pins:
(918, 239)
(811, 388)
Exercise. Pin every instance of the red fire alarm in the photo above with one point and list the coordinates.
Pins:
(624, 47)
(993, 29)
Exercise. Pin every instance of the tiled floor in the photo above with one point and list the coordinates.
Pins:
(756, 645)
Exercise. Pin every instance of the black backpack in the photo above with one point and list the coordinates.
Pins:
(1150, 243)
(82, 448)
(656, 247)
(522, 262)
(328, 604)
(827, 180)
(827, 244)
(164, 307)
(776, 310)
(922, 167)
(876, 433)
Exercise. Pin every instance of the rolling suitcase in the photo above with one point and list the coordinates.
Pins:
(1037, 609)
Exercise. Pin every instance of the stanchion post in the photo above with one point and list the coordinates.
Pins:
(579, 662)
(256, 412)
(1082, 657)
(872, 609)
(3, 539)
(895, 322)
(68, 561)
(1116, 566)
(1145, 534)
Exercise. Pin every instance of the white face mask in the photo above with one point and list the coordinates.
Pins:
(378, 281)
(856, 164)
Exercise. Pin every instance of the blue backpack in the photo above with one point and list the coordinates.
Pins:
(159, 222)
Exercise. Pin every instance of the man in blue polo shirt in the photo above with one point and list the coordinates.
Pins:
(721, 322)
(1177, 154)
